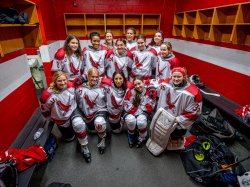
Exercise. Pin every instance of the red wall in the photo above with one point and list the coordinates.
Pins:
(48, 20)
(15, 110)
(228, 83)
(53, 12)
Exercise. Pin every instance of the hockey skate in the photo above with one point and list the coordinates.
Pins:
(101, 145)
(86, 154)
(139, 142)
(131, 140)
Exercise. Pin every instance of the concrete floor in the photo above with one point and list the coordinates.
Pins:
(119, 166)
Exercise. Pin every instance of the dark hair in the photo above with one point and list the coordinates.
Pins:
(121, 40)
(124, 85)
(142, 36)
(109, 31)
(153, 42)
(137, 100)
(92, 34)
(132, 29)
(67, 48)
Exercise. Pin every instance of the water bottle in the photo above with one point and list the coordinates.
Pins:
(38, 133)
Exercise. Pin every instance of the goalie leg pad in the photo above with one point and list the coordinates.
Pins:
(161, 127)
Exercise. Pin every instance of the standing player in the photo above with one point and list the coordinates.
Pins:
(93, 56)
(144, 60)
(130, 38)
(118, 59)
(157, 41)
(69, 59)
(109, 42)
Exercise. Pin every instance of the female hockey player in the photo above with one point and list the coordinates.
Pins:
(69, 59)
(109, 42)
(93, 56)
(58, 104)
(130, 38)
(157, 41)
(144, 60)
(166, 61)
(118, 59)
(116, 89)
(138, 104)
(91, 100)
(182, 99)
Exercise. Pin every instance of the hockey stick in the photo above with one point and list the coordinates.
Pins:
(213, 94)
(228, 167)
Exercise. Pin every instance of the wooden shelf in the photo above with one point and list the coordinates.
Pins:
(18, 25)
(74, 19)
(189, 17)
(82, 24)
(133, 19)
(225, 15)
(114, 19)
(220, 24)
(178, 18)
(18, 36)
(241, 35)
(177, 30)
(187, 31)
(204, 16)
(151, 19)
(244, 13)
(221, 33)
(201, 32)
(94, 19)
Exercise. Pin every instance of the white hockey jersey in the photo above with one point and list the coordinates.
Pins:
(91, 99)
(163, 70)
(147, 103)
(143, 63)
(130, 45)
(182, 102)
(94, 58)
(114, 61)
(71, 65)
(115, 97)
(58, 107)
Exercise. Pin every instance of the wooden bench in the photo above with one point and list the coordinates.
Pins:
(227, 108)
(25, 140)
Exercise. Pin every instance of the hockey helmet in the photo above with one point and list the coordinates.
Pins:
(196, 80)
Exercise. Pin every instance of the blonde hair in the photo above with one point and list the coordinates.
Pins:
(93, 70)
(55, 76)
(168, 44)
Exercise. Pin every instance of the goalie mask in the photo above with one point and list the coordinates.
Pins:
(196, 80)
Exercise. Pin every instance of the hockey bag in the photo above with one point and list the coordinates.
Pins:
(162, 125)
(214, 124)
(206, 161)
